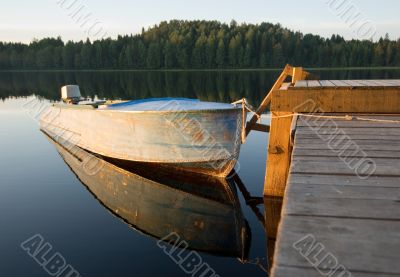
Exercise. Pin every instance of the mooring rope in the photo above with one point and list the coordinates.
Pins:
(248, 107)
(347, 117)
(257, 262)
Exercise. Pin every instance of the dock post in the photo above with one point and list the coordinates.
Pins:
(279, 148)
(279, 154)
(273, 208)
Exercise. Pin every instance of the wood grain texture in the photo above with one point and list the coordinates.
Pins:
(337, 100)
(355, 219)
(279, 153)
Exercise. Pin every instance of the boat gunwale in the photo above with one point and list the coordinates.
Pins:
(90, 108)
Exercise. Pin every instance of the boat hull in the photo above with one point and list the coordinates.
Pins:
(199, 141)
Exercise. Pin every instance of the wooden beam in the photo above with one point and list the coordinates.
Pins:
(259, 127)
(267, 100)
(297, 74)
(337, 100)
(279, 154)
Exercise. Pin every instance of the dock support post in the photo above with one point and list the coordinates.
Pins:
(279, 154)
(273, 208)
(279, 148)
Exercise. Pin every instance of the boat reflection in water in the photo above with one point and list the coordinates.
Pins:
(203, 210)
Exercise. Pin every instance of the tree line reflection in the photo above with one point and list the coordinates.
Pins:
(218, 86)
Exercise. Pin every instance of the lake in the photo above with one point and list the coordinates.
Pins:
(111, 226)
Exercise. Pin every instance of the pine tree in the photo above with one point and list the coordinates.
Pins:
(221, 54)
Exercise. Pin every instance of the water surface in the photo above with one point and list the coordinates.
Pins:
(41, 193)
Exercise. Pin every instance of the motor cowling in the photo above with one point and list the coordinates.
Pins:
(71, 94)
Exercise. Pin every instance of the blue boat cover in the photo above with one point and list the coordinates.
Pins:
(168, 104)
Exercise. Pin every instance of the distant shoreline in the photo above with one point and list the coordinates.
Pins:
(202, 70)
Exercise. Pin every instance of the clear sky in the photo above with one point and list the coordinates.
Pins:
(24, 20)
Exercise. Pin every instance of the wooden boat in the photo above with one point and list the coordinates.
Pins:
(203, 210)
(187, 134)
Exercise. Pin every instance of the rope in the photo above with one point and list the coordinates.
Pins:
(248, 107)
(257, 262)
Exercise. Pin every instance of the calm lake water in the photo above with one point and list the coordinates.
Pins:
(108, 228)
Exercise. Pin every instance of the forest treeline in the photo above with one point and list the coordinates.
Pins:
(202, 45)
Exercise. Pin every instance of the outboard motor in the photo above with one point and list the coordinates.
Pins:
(71, 94)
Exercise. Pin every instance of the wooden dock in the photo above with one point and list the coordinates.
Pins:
(334, 159)
(355, 218)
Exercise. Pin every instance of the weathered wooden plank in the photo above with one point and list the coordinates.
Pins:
(327, 83)
(381, 161)
(298, 152)
(349, 131)
(311, 193)
(394, 82)
(286, 271)
(371, 122)
(341, 139)
(313, 84)
(367, 136)
(301, 84)
(333, 165)
(343, 201)
(353, 83)
(370, 83)
(340, 100)
(364, 147)
(378, 83)
(342, 116)
(353, 213)
(358, 244)
(285, 86)
(388, 83)
(330, 160)
(340, 83)
(330, 179)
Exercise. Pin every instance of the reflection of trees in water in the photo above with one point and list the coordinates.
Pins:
(209, 86)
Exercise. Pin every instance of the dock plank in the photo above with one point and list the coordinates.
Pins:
(339, 148)
(368, 136)
(323, 165)
(356, 219)
(316, 84)
(313, 84)
(344, 201)
(340, 83)
(372, 122)
(349, 131)
(354, 83)
(327, 83)
(299, 152)
(311, 272)
(370, 246)
(349, 180)
(301, 84)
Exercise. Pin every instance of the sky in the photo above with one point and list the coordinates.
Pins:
(23, 20)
